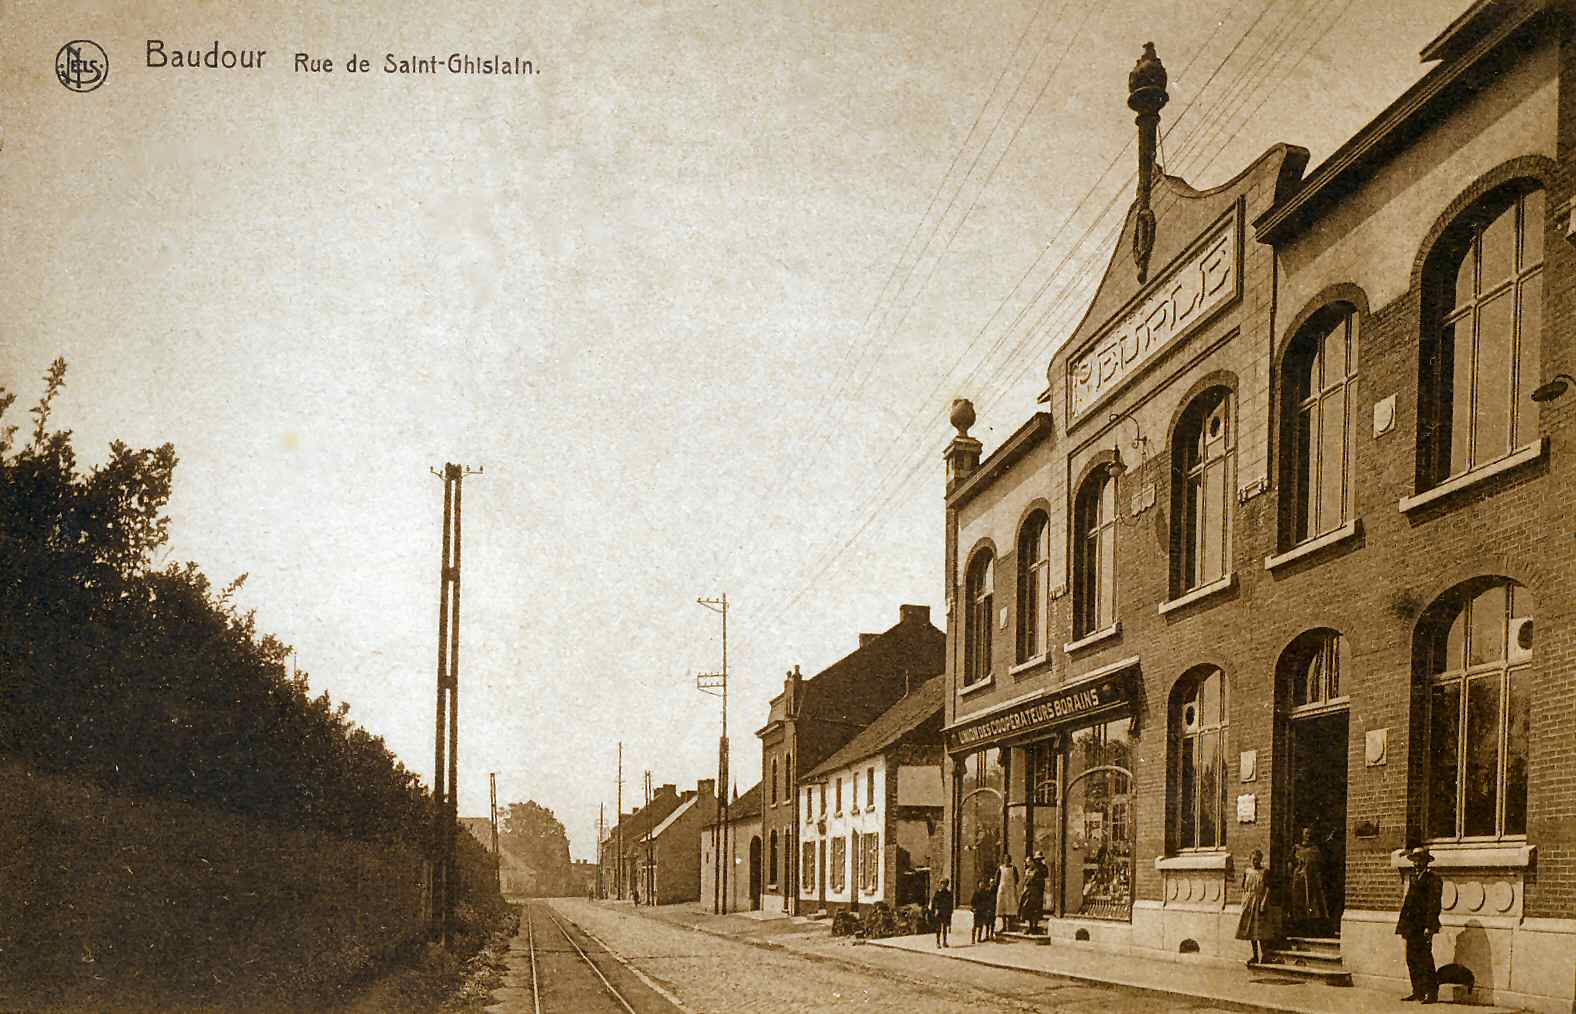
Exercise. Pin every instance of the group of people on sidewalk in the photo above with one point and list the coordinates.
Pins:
(997, 897)
(1001, 898)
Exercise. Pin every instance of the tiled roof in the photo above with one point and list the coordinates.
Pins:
(892, 725)
(746, 807)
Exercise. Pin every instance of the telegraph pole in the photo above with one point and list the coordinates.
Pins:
(445, 781)
(716, 683)
(601, 832)
(618, 871)
(646, 877)
(492, 787)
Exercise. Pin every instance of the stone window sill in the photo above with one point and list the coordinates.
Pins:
(1350, 530)
(1090, 640)
(1488, 855)
(1104, 670)
(976, 686)
(1532, 452)
(1194, 861)
(1029, 663)
(1200, 593)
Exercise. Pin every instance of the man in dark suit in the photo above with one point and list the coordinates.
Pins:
(1418, 923)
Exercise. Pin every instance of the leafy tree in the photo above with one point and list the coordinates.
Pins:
(532, 832)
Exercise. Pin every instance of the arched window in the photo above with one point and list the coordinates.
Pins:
(1198, 774)
(1094, 554)
(1202, 475)
(789, 789)
(1475, 654)
(1314, 667)
(1317, 425)
(774, 781)
(979, 594)
(1481, 332)
(1033, 587)
(771, 859)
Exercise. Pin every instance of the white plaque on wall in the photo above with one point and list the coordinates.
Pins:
(1247, 808)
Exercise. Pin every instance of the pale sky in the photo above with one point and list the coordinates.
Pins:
(696, 295)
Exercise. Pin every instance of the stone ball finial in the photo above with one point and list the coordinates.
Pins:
(1146, 85)
(962, 415)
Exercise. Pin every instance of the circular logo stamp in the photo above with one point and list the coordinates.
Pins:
(81, 65)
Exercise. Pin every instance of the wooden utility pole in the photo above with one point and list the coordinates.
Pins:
(618, 871)
(445, 781)
(717, 683)
(646, 876)
(492, 787)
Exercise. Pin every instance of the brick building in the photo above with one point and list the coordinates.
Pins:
(871, 814)
(1271, 556)
(667, 857)
(813, 717)
(743, 851)
(622, 846)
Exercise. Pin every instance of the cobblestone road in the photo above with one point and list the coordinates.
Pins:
(708, 974)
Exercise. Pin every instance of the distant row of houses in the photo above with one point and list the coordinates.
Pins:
(849, 810)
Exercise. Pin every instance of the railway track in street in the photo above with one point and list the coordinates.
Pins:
(581, 976)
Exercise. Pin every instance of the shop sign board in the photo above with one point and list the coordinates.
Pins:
(1053, 708)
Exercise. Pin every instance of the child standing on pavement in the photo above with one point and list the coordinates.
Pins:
(941, 911)
(984, 905)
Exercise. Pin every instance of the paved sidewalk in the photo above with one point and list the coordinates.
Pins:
(1230, 983)
(1238, 986)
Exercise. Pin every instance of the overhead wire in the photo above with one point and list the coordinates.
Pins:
(873, 515)
(877, 491)
(864, 337)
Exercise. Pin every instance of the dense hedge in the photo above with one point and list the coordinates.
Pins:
(150, 680)
(186, 812)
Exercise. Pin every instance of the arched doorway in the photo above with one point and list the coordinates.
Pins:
(755, 873)
(1313, 675)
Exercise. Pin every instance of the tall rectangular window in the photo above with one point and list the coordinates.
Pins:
(1482, 332)
(1094, 559)
(1202, 467)
(1033, 586)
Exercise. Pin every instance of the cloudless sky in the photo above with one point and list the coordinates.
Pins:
(696, 295)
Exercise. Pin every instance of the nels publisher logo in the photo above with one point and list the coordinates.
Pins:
(81, 65)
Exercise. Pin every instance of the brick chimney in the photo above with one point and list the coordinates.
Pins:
(706, 788)
(792, 682)
(913, 614)
(865, 639)
(963, 454)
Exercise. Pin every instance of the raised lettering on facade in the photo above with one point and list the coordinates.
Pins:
(1184, 297)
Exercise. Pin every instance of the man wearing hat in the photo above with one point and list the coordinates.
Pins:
(1418, 923)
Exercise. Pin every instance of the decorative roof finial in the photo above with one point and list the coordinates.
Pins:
(962, 415)
(1146, 94)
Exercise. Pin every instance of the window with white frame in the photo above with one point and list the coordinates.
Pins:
(980, 596)
(837, 869)
(1476, 654)
(1202, 469)
(1318, 385)
(1094, 554)
(1033, 586)
(1198, 770)
(1481, 332)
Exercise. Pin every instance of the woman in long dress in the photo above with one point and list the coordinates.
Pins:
(1255, 924)
(1007, 891)
(1309, 908)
